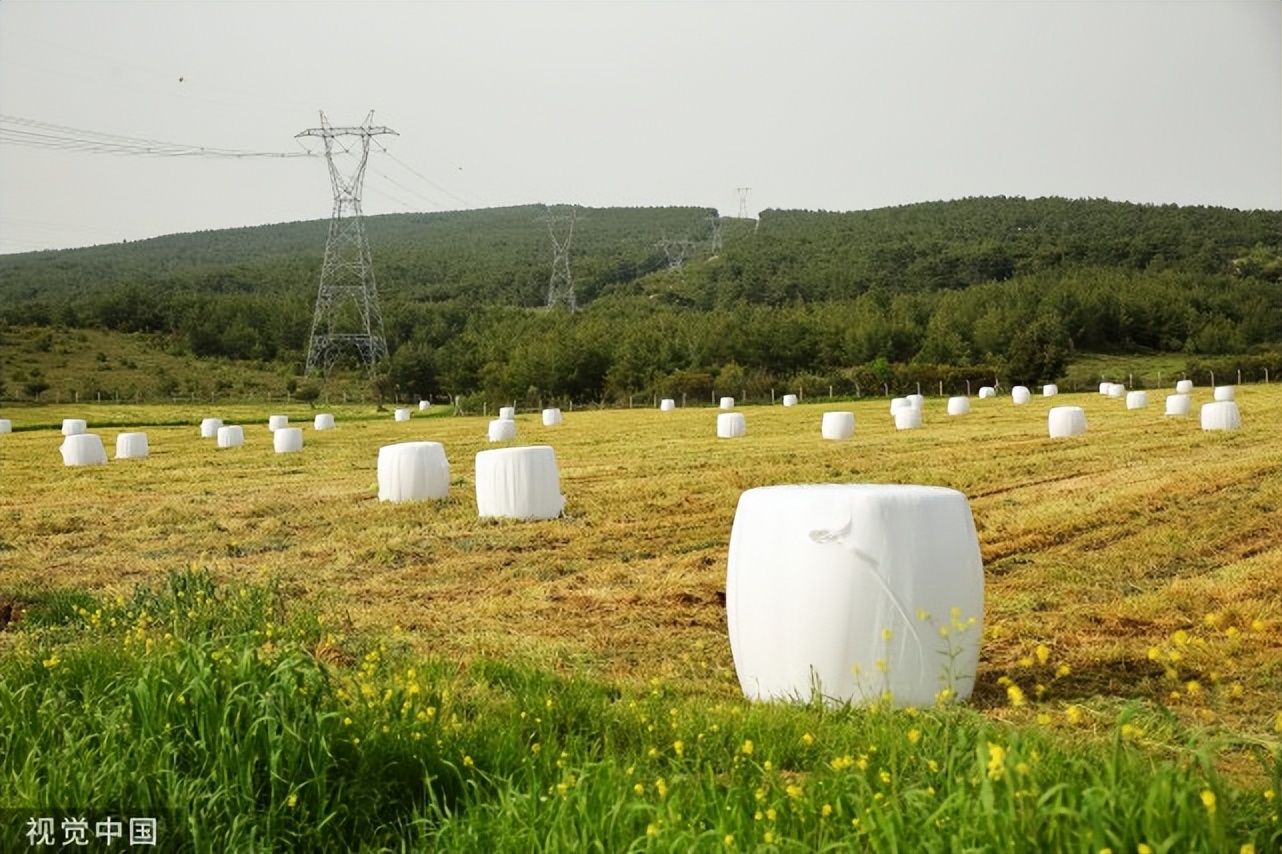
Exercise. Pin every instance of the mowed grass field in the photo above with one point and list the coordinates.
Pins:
(1144, 558)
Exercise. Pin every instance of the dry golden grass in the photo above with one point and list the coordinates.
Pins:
(1099, 548)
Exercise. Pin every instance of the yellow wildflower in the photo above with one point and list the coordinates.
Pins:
(914, 736)
(1208, 800)
(996, 761)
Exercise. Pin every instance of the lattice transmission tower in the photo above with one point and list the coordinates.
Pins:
(743, 201)
(561, 230)
(347, 315)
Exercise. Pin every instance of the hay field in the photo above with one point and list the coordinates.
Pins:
(1145, 557)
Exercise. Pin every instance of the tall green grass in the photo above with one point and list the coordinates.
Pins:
(247, 724)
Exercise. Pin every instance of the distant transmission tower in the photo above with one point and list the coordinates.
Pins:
(743, 201)
(676, 250)
(347, 274)
(714, 217)
(561, 230)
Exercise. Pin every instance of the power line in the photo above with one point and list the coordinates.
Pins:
(36, 134)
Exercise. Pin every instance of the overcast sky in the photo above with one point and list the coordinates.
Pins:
(822, 106)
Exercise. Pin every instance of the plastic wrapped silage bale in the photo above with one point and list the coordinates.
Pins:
(899, 403)
(1224, 392)
(74, 426)
(507, 413)
(987, 391)
(861, 592)
(402, 414)
(1136, 399)
(1184, 387)
(917, 400)
(276, 422)
(424, 405)
(6, 426)
(519, 483)
(1116, 391)
(552, 418)
(1020, 395)
(727, 403)
(1104, 388)
(231, 436)
(731, 425)
(502, 430)
(1221, 415)
(323, 421)
(667, 405)
(1065, 421)
(837, 425)
(413, 471)
(1050, 390)
(287, 440)
(83, 449)
(209, 427)
(958, 405)
(1179, 404)
(907, 418)
(789, 400)
(131, 446)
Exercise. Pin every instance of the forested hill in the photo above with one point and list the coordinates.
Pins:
(961, 283)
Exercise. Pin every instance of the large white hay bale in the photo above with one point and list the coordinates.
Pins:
(731, 425)
(507, 413)
(1104, 388)
(667, 405)
(519, 483)
(917, 400)
(1020, 395)
(402, 414)
(987, 391)
(1050, 390)
(1064, 421)
(413, 471)
(131, 446)
(209, 427)
(231, 436)
(1116, 391)
(1221, 415)
(552, 417)
(727, 403)
(1178, 404)
(908, 418)
(323, 421)
(861, 592)
(1184, 387)
(958, 405)
(287, 440)
(502, 430)
(789, 400)
(899, 403)
(74, 426)
(277, 422)
(1224, 392)
(6, 426)
(83, 449)
(837, 425)
(1136, 399)
(424, 405)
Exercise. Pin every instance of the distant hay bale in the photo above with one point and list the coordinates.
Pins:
(1221, 415)
(917, 400)
(287, 440)
(552, 417)
(958, 405)
(1020, 395)
(899, 403)
(413, 471)
(132, 446)
(1136, 399)
(74, 426)
(507, 413)
(502, 430)
(231, 436)
(1050, 390)
(402, 414)
(907, 418)
(209, 427)
(277, 422)
(1105, 388)
(424, 405)
(1065, 421)
(667, 405)
(83, 449)
(323, 421)
(1116, 391)
(1179, 404)
(518, 483)
(1224, 392)
(986, 392)
(837, 425)
(1184, 387)
(731, 425)
(6, 426)
(789, 400)
(727, 403)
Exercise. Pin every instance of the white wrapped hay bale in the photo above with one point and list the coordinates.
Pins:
(898, 403)
(1065, 421)
(323, 421)
(209, 427)
(861, 592)
(83, 449)
(1221, 415)
(277, 422)
(1136, 399)
(837, 425)
(1184, 387)
(6, 426)
(1020, 395)
(917, 400)
(132, 446)
(519, 483)
(74, 426)
(958, 405)
(287, 440)
(1179, 404)
(731, 425)
(986, 392)
(1224, 392)
(507, 413)
(907, 418)
(424, 405)
(667, 405)
(413, 471)
(502, 430)
(1050, 390)
(1116, 391)
(552, 418)
(727, 403)
(1104, 388)
(231, 436)
(789, 400)
(402, 414)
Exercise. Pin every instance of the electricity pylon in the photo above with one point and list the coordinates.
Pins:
(743, 201)
(561, 286)
(714, 217)
(676, 250)
(347, 273)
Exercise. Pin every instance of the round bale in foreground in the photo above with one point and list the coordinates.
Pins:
(1065, 421)
(856, 592)
(958, 405)
(1221, 415)
(789, 400)
(132, 446)
(837, 425)
(518, 483)
(907, 418)
(731, 425)
(231, 436)
(667, 405)
(323, 421)
(1020, 395)
(287, 440)
(1178, 404)
(1136, 399)
(413, 471)
(83, 449)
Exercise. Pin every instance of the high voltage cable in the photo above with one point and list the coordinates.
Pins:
(36, 134)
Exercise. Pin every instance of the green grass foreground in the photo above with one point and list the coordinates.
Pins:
(251, 724)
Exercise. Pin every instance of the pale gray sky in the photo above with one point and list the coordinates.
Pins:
(835, 106)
